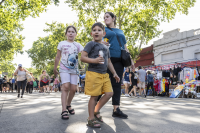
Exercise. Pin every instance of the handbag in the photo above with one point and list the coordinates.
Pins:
(34, 84)
(125, 56)
(29, 77)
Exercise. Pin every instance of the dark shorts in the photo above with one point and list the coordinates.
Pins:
(4, 84)
(43, 84)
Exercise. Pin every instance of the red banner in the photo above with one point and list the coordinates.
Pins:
(167, 67)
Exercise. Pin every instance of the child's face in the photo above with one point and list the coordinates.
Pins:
(97, 33)
(71, 34)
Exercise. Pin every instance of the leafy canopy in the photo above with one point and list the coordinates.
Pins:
(139, 19)
(12, 12)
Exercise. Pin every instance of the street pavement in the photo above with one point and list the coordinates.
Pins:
(38, 113)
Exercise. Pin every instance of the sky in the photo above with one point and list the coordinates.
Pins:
(33, 27)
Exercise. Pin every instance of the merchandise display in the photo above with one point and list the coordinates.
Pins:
(176, 80)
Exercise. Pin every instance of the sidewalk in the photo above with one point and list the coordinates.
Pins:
(38, 113)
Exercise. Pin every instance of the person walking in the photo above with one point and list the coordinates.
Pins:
(126, 81)
(51, 82)
(29, 86)
(150, 81)
(21, 79)
(68, 51)
(44, 81)
(4, 84)
(133, 82)
(97, 79)
(1, 82)
(56, 83)
(141, 84)
(115, 56)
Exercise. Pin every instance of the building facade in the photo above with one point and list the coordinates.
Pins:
(177, 47)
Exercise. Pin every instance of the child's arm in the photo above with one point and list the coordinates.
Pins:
(84, 58)
(111, 68)
(57, 59)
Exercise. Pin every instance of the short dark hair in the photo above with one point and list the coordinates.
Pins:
(140, 67)
(43, 71)
(71, 26)
(113, 16)
(149, 72)
(98, 24)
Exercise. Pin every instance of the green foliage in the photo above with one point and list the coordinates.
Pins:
(44, 50)
(12, 12)
(138, 19)
(7, 66)
(11, 42)
(36, 72)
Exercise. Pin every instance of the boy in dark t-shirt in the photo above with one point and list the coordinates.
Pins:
(97, 81)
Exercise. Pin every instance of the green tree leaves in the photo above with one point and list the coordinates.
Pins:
(12, 12)
(138, 19)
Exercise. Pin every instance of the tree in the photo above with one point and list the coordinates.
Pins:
(7, 66)
(12, 12)
(44, 50)
(138, 19)
(11, 42)
(36, 72)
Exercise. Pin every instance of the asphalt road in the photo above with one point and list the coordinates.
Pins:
(38, 113)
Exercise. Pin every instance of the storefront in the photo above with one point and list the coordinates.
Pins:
(177, 62)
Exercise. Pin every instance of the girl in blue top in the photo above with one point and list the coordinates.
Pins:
(115, 57)
(126, 81)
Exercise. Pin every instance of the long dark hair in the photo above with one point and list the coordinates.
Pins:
(113, 16)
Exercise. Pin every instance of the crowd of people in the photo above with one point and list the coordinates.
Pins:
(19, 82)
(137, 79)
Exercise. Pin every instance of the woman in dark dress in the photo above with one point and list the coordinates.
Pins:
(133, 81)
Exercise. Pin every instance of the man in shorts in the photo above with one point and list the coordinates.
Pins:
(141, 76)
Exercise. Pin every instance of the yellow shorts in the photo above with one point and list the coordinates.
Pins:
(97, 84)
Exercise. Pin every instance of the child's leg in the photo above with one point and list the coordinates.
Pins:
(73, 88)
(65, 91)
(91, 106)
(103, 100)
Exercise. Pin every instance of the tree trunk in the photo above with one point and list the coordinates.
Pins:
(2, 2)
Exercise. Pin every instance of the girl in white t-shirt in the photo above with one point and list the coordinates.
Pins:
(68, 51)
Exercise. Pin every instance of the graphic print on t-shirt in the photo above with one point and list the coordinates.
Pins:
(70, 56)
(94, 50)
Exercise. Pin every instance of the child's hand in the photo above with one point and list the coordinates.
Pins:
(116, 77)
(99, 59)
